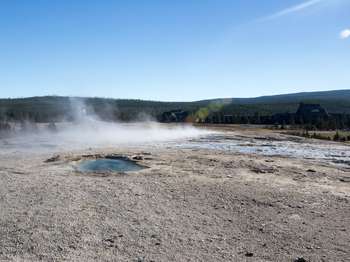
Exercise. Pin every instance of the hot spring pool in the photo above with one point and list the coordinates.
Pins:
(108, 165)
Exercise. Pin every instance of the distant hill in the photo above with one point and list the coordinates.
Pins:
(56, 108)
(337, 101)
(295, 97)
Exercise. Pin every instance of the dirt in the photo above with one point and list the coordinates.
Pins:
(189, 205)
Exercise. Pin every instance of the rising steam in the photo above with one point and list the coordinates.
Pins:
(88, 131)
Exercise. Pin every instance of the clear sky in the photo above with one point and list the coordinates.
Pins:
(173, 50)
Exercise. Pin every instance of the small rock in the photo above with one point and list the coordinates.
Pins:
(140, 259)
(263, 170)
(311, 171)
(89, 156)
(146, 153)
(344, 179)
(52, 159)
(137, 157)
(300, 259)
(109, 242)
(249, 254)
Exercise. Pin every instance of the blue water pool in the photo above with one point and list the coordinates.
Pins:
(108, 165)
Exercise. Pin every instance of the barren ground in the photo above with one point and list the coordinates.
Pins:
(189, 205)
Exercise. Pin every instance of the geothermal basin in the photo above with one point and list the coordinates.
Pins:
(233, 194)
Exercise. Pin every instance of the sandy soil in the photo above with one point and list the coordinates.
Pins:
(189, 205)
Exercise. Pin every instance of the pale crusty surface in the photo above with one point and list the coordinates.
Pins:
(189, 205)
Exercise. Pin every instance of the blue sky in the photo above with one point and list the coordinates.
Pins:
(173, 50)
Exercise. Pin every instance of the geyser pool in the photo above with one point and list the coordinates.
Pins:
(108, 165)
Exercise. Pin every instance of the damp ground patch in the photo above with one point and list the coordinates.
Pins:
(102, 165)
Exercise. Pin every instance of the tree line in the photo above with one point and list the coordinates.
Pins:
(331, 122)
(57, 109)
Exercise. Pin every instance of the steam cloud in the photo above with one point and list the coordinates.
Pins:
(88, 131)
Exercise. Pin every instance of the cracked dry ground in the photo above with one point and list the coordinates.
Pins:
(190, 205)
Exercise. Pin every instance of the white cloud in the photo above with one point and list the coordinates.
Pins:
(293, 9)
(345, 34)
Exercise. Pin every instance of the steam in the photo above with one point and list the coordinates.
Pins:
(102, 133)
(88, 131)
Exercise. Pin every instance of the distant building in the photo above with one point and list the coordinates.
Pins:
(174, 116)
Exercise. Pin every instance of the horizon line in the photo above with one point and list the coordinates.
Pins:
(167, 101)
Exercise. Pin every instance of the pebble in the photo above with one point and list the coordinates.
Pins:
(311, 171)
(300, 259)
(249, 254)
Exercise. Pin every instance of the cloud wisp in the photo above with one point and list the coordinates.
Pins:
(345, 34)
(292, 9)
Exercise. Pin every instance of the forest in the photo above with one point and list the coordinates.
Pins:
(269, 110)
